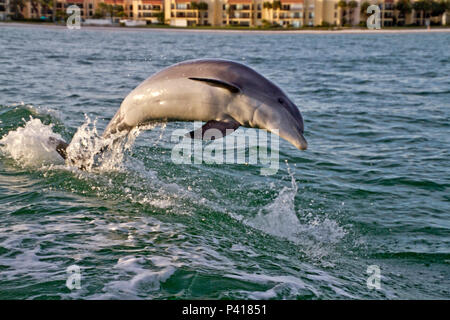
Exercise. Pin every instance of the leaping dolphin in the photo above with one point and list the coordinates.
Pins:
(225, 94)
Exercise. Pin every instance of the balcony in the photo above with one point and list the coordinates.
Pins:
(240, 15)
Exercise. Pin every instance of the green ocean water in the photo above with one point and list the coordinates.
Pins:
(371, 190)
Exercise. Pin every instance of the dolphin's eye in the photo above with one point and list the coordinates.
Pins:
(280, 100)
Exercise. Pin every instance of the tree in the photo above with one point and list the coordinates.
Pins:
(34, 5)
(101, 11)
(363, 10)
(267, 5)
(160, 16)
(423, 6)
(403, 7)
(342, 4)
(46, 5)
(202, 6)
(118, 11)
(364, 7)
(276, 4)
(16, 7)
(352, 4)
(438, 8)
(112, 10)
(194, 5)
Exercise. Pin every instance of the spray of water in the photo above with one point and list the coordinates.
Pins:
(279, 218)
(32, 144)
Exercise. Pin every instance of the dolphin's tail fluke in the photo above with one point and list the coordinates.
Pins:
(60, 146)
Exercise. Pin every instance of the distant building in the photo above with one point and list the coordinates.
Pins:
(4, 6)
(244, 13)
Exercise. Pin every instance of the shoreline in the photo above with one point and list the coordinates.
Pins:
(405, 30)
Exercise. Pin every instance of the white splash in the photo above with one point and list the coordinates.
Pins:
(31, 145)
(316, 236)
(90, 151)
(34, 145)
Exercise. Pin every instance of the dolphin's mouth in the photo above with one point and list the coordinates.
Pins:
(302, 143)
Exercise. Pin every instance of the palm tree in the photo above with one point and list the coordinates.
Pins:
(424, 6)
(267, 5)
(352, 5)
(46, 5)
(101, 11)
(16, 7)
(343, 5)
(403, 7)
(35, 9)
(439, 8)
(276, 4)
(363, 9)
(194, 5)
(160, 16)
(202, 7)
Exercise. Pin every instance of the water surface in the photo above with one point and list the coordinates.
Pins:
(372, 189)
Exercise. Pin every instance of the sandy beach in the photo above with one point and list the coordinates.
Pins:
(252, 31)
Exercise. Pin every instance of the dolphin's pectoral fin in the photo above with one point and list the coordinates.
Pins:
(214, 130)
(219, 83)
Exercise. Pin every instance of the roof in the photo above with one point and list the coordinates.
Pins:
(114, 1)
(239, 1)
(152, 1)
(291, 1)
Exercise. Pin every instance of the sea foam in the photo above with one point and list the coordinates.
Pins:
(31, 145)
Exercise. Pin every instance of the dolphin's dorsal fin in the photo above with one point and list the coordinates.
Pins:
(219, 83)
(225, 127)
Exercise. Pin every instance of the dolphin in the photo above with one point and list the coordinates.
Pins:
(225, 94)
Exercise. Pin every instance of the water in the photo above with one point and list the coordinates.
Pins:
(372, 189)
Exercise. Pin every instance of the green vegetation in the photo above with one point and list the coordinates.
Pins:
(276, 5)
(267, 5)
(352, 4)
(110, 10)
(199, 5)
(161, 17)
(342, 4)
(16, 7)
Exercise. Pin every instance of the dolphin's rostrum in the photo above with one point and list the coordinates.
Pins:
(225, 94)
